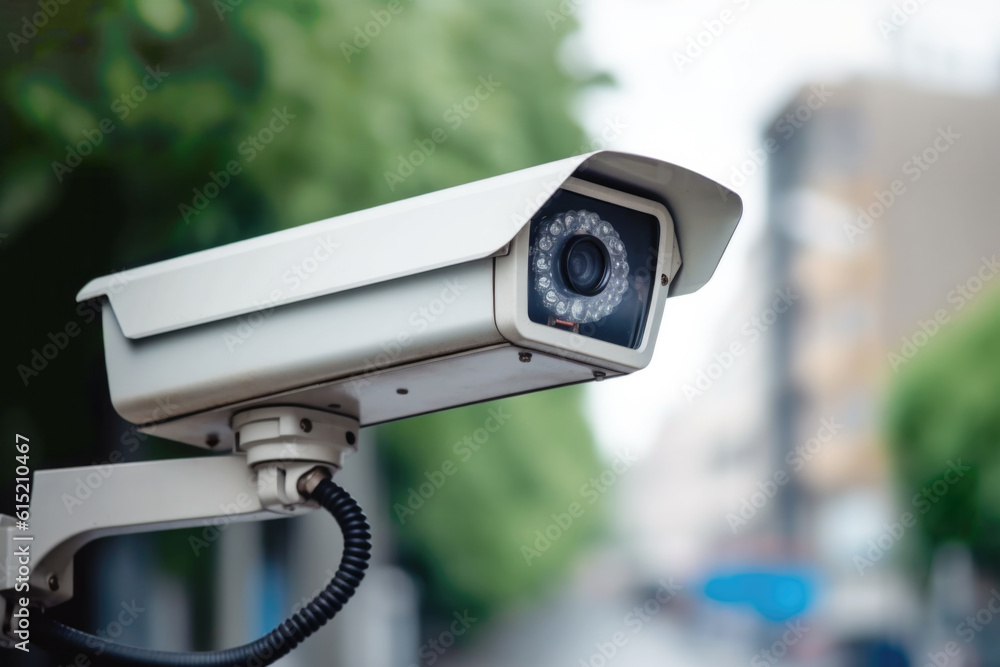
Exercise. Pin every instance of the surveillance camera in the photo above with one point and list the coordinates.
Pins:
(280, 347)
(540, 278)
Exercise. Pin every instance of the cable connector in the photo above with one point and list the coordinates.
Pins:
(309, 481)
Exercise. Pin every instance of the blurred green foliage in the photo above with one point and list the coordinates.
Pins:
(225, 75)
(114, 117)
(945, 408)
(470, 503)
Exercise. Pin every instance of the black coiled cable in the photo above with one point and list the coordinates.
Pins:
(272, 646)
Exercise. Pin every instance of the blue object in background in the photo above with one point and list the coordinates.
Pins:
(776, 595)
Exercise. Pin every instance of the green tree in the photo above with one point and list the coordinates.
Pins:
(478, 509)
(119, 124)
(944, 409)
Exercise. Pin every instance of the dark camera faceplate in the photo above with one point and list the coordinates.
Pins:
(639, 232)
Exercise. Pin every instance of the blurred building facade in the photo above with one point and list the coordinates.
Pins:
(882, 221)
(881, 233)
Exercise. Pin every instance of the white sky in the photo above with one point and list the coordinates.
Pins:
(710, 116)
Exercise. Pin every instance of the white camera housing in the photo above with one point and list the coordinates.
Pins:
(395, 311)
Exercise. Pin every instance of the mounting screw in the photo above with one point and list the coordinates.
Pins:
(306, 425)
(212, 440)
(664, 280)
(351, 438)
(599, 375)
(53, 583)
(525, 357)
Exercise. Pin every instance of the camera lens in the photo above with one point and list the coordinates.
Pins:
(586, 265)
(579, 266)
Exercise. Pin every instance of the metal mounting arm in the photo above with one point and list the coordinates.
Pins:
(73, 506)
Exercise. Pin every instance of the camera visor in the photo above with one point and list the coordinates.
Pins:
(591, 268)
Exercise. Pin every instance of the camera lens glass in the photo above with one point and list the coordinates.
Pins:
(586, 265)
(579, 266)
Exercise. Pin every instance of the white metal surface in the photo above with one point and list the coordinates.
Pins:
(460, 379)
(354, 333)
(73, 506)
(439, 229)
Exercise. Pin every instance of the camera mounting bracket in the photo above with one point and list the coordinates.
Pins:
(279, 447)
(282, 443)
